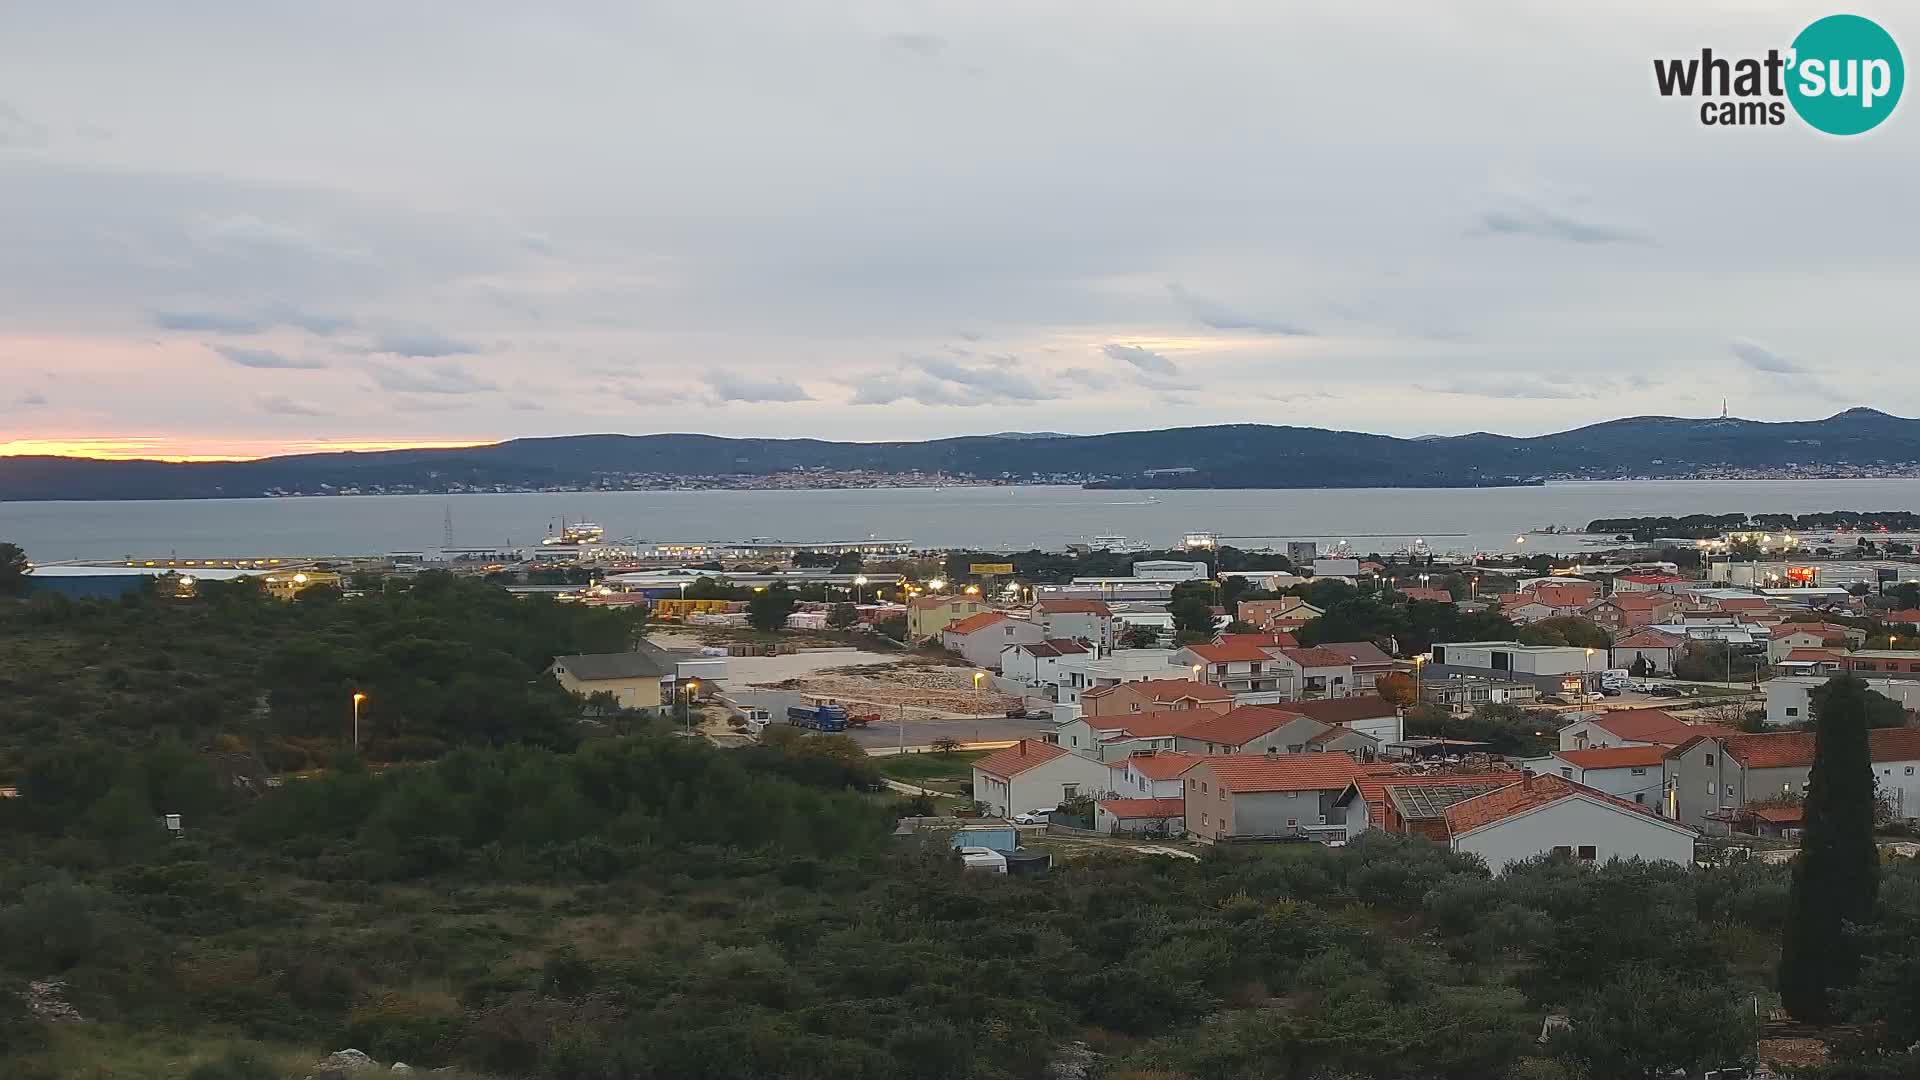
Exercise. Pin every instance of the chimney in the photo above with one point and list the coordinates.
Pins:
(1023, 748)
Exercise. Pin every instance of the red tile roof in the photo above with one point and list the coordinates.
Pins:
(1438, 596)
(1826, 632)
(1803, 653)
(1161, 764)
(1318, 657)
(1075, 607)
(1743, 603)
(1145, 808)
(1530, 793)
(1779, 815)
(1344, 710)
(1018, 758)
(1164, 690)
(1637, 601)
(1904, 615)
(1228, 654)
(1653, 579)
(1655, 726)
(1271, 641)
(976, 622)
(1148, 725)
(1561, 595)
(1053, 647)
(1248, 773)
(1237, 727)
(1372, 784)
(1614, 757)
(1649, 638)
(1794, 749)
(1360, 652)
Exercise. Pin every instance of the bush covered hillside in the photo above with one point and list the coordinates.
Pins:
(517, 895)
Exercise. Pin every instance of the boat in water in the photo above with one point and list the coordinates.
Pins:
(580, 532)
(1119, 545)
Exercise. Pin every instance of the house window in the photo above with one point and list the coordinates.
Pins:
(1191, 784)
(1292, 822)
(1136, 708)
(1792, 711)
(1709, 760)
(1588, 853)
(1069, 791)
(1709, 787)
(1203, 819)
(1562, 851)
(1203, 787)
(1640, 797)
(1223, 794)
(1636, 772)
(1909, 770)
(1568, 773)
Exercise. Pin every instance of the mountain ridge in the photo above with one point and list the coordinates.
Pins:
(1211, 456)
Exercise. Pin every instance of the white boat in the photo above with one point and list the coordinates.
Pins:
(1119, 545)
(580, 532)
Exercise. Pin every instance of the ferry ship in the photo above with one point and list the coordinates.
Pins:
(578, 533)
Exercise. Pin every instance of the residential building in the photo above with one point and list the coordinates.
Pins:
(1667, 583)
(1657, 648)
(1286, 613)
(1367, 660)
(1787, 637)
(1107, 588)
(1902, 616)
(1464, 693)
(981, 638)
(1151, 774)
(1565, 595)
(927, 616)
(1522, 609)
(1551, 815)
(1264, 796)
(1435, 596)
(632, 678)
(1634, 773)
(1034, 775)
(1037, 663)
(1316, 672)
(1240, 669)
(1713, 777)
(1113, 739)
(1633, 727)
(1368, 714)
(1882, 663)
(1624, 612)
(1153, 695)
(1790, 697)
(1411, 804)
(1153, 817)
(1263, 729)
(1264, 640)
(1081, 620)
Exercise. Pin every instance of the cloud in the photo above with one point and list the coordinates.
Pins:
(1209, 313)
(998, 379)
(1761, 358)
(728, 386)
(311, 321)
(282, 405)
(32, 399)
(1142, 359)
(887, 389)
(247, 236)
(421, 343)
(924, 44)
(17, 130)
(446, 378)
(1520, 215)
(266, 358)
(1521, 387)
(208, 322)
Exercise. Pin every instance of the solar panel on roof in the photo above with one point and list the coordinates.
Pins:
(1432, 800)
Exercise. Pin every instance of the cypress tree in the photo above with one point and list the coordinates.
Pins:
(1837, 871)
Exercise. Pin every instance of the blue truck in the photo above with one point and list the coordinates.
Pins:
(818, 717)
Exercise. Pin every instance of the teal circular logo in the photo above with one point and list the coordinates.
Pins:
(1846, 75)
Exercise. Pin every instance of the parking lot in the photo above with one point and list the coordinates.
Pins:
(919, 731)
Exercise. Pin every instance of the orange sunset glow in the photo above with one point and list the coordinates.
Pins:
(161, 448)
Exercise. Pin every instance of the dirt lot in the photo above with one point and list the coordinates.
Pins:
(920, 686)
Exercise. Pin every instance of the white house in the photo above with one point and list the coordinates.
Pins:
(1237, 667)
(1657, 647)
(1551, 815)
(1790, 697)
(1037, 663)
(1323, 672)
(981, 638)
(1079, 620)
(1159, 817)
(1633, 727)
(1633, 773)
(1152, 774)
(1790, 636)
(1088, 672)
(1034, 775)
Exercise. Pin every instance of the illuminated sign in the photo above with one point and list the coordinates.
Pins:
(1800, 575)
(983, 569)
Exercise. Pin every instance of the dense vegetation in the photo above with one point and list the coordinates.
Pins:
(1701, 526)
(575, 902)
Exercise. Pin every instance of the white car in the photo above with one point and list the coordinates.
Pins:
(1035, 817)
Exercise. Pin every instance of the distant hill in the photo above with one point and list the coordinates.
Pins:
(1223, 456)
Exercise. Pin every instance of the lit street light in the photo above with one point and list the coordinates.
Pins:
(937, 584)
(860, 588)
(357, 699)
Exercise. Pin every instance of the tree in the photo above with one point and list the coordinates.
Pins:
(945, 745)
(1641, 666)
(769, 607)
(1240, 626)
(1396, 688)
(1566, 630)
(843, 616)
(1882, 711)
(13, 570)
(1139, 636)
(1192, 619)
(1650, 1022)
(1835, 877)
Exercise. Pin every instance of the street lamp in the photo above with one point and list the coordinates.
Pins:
(1196, 673)
(693, 688)
(357, 699)
(973, 590)
(977, 677)
(859, 588)
(1419, 662)
(937, 584)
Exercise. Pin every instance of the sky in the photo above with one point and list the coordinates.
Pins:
(241, 227)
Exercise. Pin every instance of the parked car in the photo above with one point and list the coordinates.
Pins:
(1664, 690)
(1609, 691)
(1017, 712)
(1035, 817)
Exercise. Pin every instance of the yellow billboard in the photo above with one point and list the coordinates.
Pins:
(987, 569)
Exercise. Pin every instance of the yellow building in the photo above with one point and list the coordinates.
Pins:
(680, 609)
(633, 678)
(285, 586)
(928, 615)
